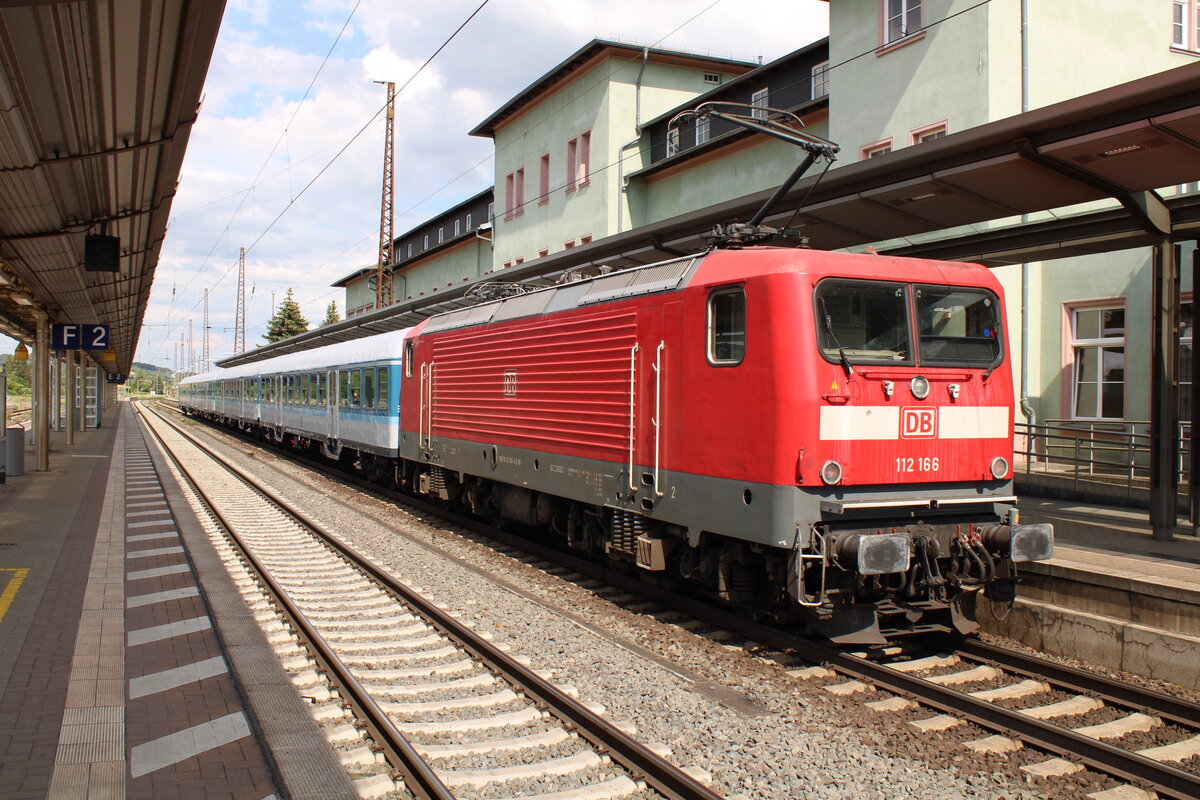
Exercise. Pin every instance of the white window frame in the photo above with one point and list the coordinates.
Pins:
(1185, 25)
(672, 141)
(457, 227)
(426, 247)
(468, 222)
(910, 15)
(820, 80)
(1099, 343)
(441, 235)
(759, 101)
(703, 130)
(712, 77)
(410, 250)
(929, 133)
(875, 149)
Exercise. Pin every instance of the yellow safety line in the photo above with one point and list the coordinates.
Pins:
(11, 590)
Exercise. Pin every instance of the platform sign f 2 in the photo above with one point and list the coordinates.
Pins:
(78, 337)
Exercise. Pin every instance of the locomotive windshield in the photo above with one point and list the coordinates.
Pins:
(958, 326)
(869, 322)
(864, 322)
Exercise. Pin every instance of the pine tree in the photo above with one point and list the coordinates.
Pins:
(331, 314)
(287, 322)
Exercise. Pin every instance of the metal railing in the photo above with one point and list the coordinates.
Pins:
(1114, 453)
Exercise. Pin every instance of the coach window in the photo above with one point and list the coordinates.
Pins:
(344, 388)
(368, 388)
(381, 402)
(408, 358)
(355, 388)
(727, 326)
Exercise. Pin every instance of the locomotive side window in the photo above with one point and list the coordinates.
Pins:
(862, 322)
(958, 326)
(727, 326)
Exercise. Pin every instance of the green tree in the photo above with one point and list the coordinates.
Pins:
(331, 314)
(287, 322)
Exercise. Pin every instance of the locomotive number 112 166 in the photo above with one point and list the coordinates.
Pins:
(924, 464)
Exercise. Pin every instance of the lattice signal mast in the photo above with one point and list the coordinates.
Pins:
(239, 320)
(383, 273)
(204, 353)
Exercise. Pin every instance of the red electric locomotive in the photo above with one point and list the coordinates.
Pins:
(822, 437)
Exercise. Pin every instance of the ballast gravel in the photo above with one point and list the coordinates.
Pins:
(783, 739)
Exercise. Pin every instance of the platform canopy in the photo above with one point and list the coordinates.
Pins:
(97, 101)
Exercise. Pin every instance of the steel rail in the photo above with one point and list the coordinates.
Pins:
(663, 776)
(1102, 757)
(419, 777)
(1172, 709)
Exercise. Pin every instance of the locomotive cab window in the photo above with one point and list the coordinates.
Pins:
(408, 358)
(958, 326)
(862, 322)
(727, 326)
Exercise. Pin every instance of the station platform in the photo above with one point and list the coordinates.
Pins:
(1111, 595)
(130, 667)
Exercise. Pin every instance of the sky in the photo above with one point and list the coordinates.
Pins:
(286, 159)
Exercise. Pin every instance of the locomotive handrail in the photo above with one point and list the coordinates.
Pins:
(421, 411)
(662, 345)
(841, 506)
(632, 410)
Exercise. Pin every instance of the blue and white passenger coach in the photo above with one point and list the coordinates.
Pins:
(343, 398)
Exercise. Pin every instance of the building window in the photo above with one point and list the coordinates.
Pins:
(712, 77)
(877, 149)
(468, 223)
(572, 148)
(457, 227)
(1098, 350)
(544, 180)
(820, 80)
(901, 18)
(929, 133)
(410, 249)
(1179, 23)
(441, 235)
(702, 130)
(491, 212)
(583, 170)
(426, 245)
(672, 142)
(759, 102)
(514, 193)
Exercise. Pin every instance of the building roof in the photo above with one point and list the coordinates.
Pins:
(584, 58)
(358, 273)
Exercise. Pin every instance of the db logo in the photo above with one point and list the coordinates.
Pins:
(510, 384)
(918, 423)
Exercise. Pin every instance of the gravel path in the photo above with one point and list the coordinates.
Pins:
(758, 732)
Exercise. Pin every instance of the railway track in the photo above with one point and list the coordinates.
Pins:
(452, 714)
(1020, 699)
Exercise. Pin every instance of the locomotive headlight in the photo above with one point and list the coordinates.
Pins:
(831, 473)
(920, 387)
(999, 467)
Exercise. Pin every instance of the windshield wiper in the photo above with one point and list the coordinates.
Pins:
(828, 320)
